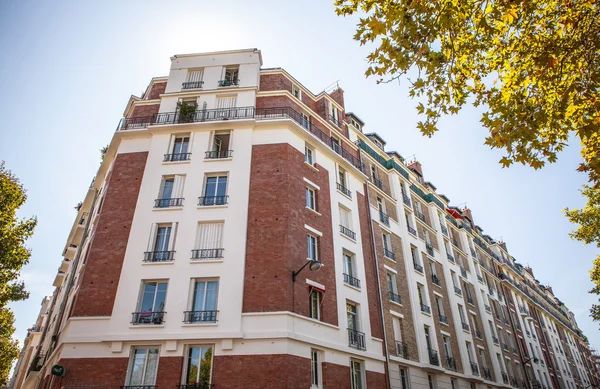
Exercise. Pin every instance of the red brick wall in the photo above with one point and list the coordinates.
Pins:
(169, 372)
(100, 277)
(276, 239)
(144, 110)
(157, 89)
(376, 380)
(336, 376)
(93, 372)
(338, 96)
(370, 267)
(263, 371)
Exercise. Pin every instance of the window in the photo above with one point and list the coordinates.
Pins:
(199, 366)
(215, 191)
(356, 374)
(143, 364)
(151, 304)
(220, 145)
(392, 287)
(349, 265)
(415, 255)
(312, 253)
(345, 218)
(440, 308)
(315, 299)
(404, 378)
(423, 299)
(469, 351)
(230, 76)
(374, 173)
(296, 92)
(179, 149)
(310, 199)
(427, 337)
(193, 79)
(333, 113)
(315, 369)
(209, 241)
(431, 381)
(304, 120)
(335, 144)
(309, 155)
(380, 205)
(171, 192)
(453, 383)
(204, 302)
(162, 242)
(447, 346)
(387, 246)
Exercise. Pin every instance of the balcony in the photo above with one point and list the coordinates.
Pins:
(356, 339)
(470, 300)
(473, 253)
(479, 278)
(221, 154)
(420, 216)
(226, 83)
(200, 316)
(177, 157)
(455, 243)
(192, 85)
(159, 256)
(458, 291)
(406, 199)
(495, 339)
(505, 346)
(465, 326)
(344, 190)
(411, 230)
(443, 319)
(425, 308)
(478, 334)
(429, 248)
(151, 318)
(451, 362)
(474, 368)
(488, 309)
(352, 281)
(206, 201)
(463, 272)
(504, 377)
(514, 382)
(347, 232)
(444, 230)
(389, 254)
(434, 358)
(207, 253)
(487, 374)
(418, 267)
(435, 280)
(402, 350)
(384, 218)
(377, 182)
(394, 297)
(450, 258)
(168, 203)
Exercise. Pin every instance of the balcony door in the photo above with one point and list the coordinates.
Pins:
(199, 367)
(153, 296)
(204, 304)
(143, 367)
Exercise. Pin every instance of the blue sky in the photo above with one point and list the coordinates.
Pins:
(67, 70)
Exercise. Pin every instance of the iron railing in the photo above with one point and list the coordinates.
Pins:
(406, 199)
(504, 377)
(221, 154)
(207, 253)
(465, 326)
(434, 358)
(402, 350)
(425, 308)
(418, 267)
(478, 334)
(177, 157)
(470, 300)
(429, 248)
(192, 85)
(344, 190)
(356, 339)
(212, 200)
(384, 218)
(450, 258)
(463, 272)
(167, 203)
(159, 256)
(458, 291)
(200, 316)
(451, 362)
(154, 318)
(377, 182)
(394, 297)
(411, 230)
(389, 253)
(348, 232)
(138, 387)
(487, 374)
(352, 281)
(435, 280)
(444, 230)
(225, 83)
(474, 368)
(443, 319)
(495, 339)
(420, 216)
(197, 385)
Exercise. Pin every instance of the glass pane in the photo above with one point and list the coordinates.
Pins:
(211, 187)
(222, 186)
(212, 289)
(198, 304)
(161, 295)
(205, 367)
(167, 189)
(193, 365)
(137, 367)
(151, 367)
(148, 297)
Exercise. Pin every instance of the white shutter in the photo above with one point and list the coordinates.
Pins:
(178, 187)
(152, 239)
(226, 102)
(195, 75)
(209, 236)
(173, 236)
(345, 218)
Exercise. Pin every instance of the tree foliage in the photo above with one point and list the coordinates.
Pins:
(13, 256)
(534, 65)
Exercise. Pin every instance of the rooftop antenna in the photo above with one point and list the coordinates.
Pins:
(410, 159)
(331, 87)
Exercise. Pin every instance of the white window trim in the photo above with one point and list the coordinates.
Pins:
(309, 182)
(313, 230)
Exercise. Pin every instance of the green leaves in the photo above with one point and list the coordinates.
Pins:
(13, 256)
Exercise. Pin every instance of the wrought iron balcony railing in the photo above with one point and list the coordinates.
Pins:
(221, 154)
(138, 387)
(487, 374)
(470, 300)
(443, 319)
(225, 83)
(349, 233)
(200, 316)
(384, 218)
(167, 203)
(394, 297)
(207, 253)
(474, 368)
(388, 253)
(411, 230)
(153, 318)
(434, 358)
(197, 385)
(159, 256)
(435, 280)
(451, 362)
(504, 377)
(465, 326)
(177, 157)
(429, 248)
(352, 281)
(418, 267)
(344, 190)
(406, 199)
(458, 291)
(356, 339)
(402, 350)
(444, 230)
(450, 258)
(420, 216)
(425, 308)
(495, 339)
(212, 200)
(192, 85)
(377, 182)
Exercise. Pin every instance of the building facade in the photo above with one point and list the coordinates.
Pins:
(244, 232)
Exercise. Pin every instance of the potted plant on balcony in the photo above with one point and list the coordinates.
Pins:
(186, 111)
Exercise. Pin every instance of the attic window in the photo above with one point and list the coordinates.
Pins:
(296, 92)
(356, 124)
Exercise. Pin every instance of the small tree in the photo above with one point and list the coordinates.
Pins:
(186, 111)
(13, 256)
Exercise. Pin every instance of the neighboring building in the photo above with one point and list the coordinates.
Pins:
(221, 183)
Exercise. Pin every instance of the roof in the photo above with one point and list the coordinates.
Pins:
(355, 117)
(375, 135)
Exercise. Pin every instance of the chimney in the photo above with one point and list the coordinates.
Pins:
(549, 289)
(338, 96)
(529, 270)
(503, 245)
(467, 213)
(416, 166)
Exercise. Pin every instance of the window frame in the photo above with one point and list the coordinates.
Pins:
(131, 363)
(316, 368)
(309, 155)
(354, 383)
(310, 194)
(311, 304)
(310, 238)
(187, 358)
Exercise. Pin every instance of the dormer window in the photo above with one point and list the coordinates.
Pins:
(230, 76)
(193, 79)
(297, 92)
(356, 124)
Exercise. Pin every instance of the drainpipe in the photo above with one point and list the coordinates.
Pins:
(374, 251)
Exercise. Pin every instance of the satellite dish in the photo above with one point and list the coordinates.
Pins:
(315, 265)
